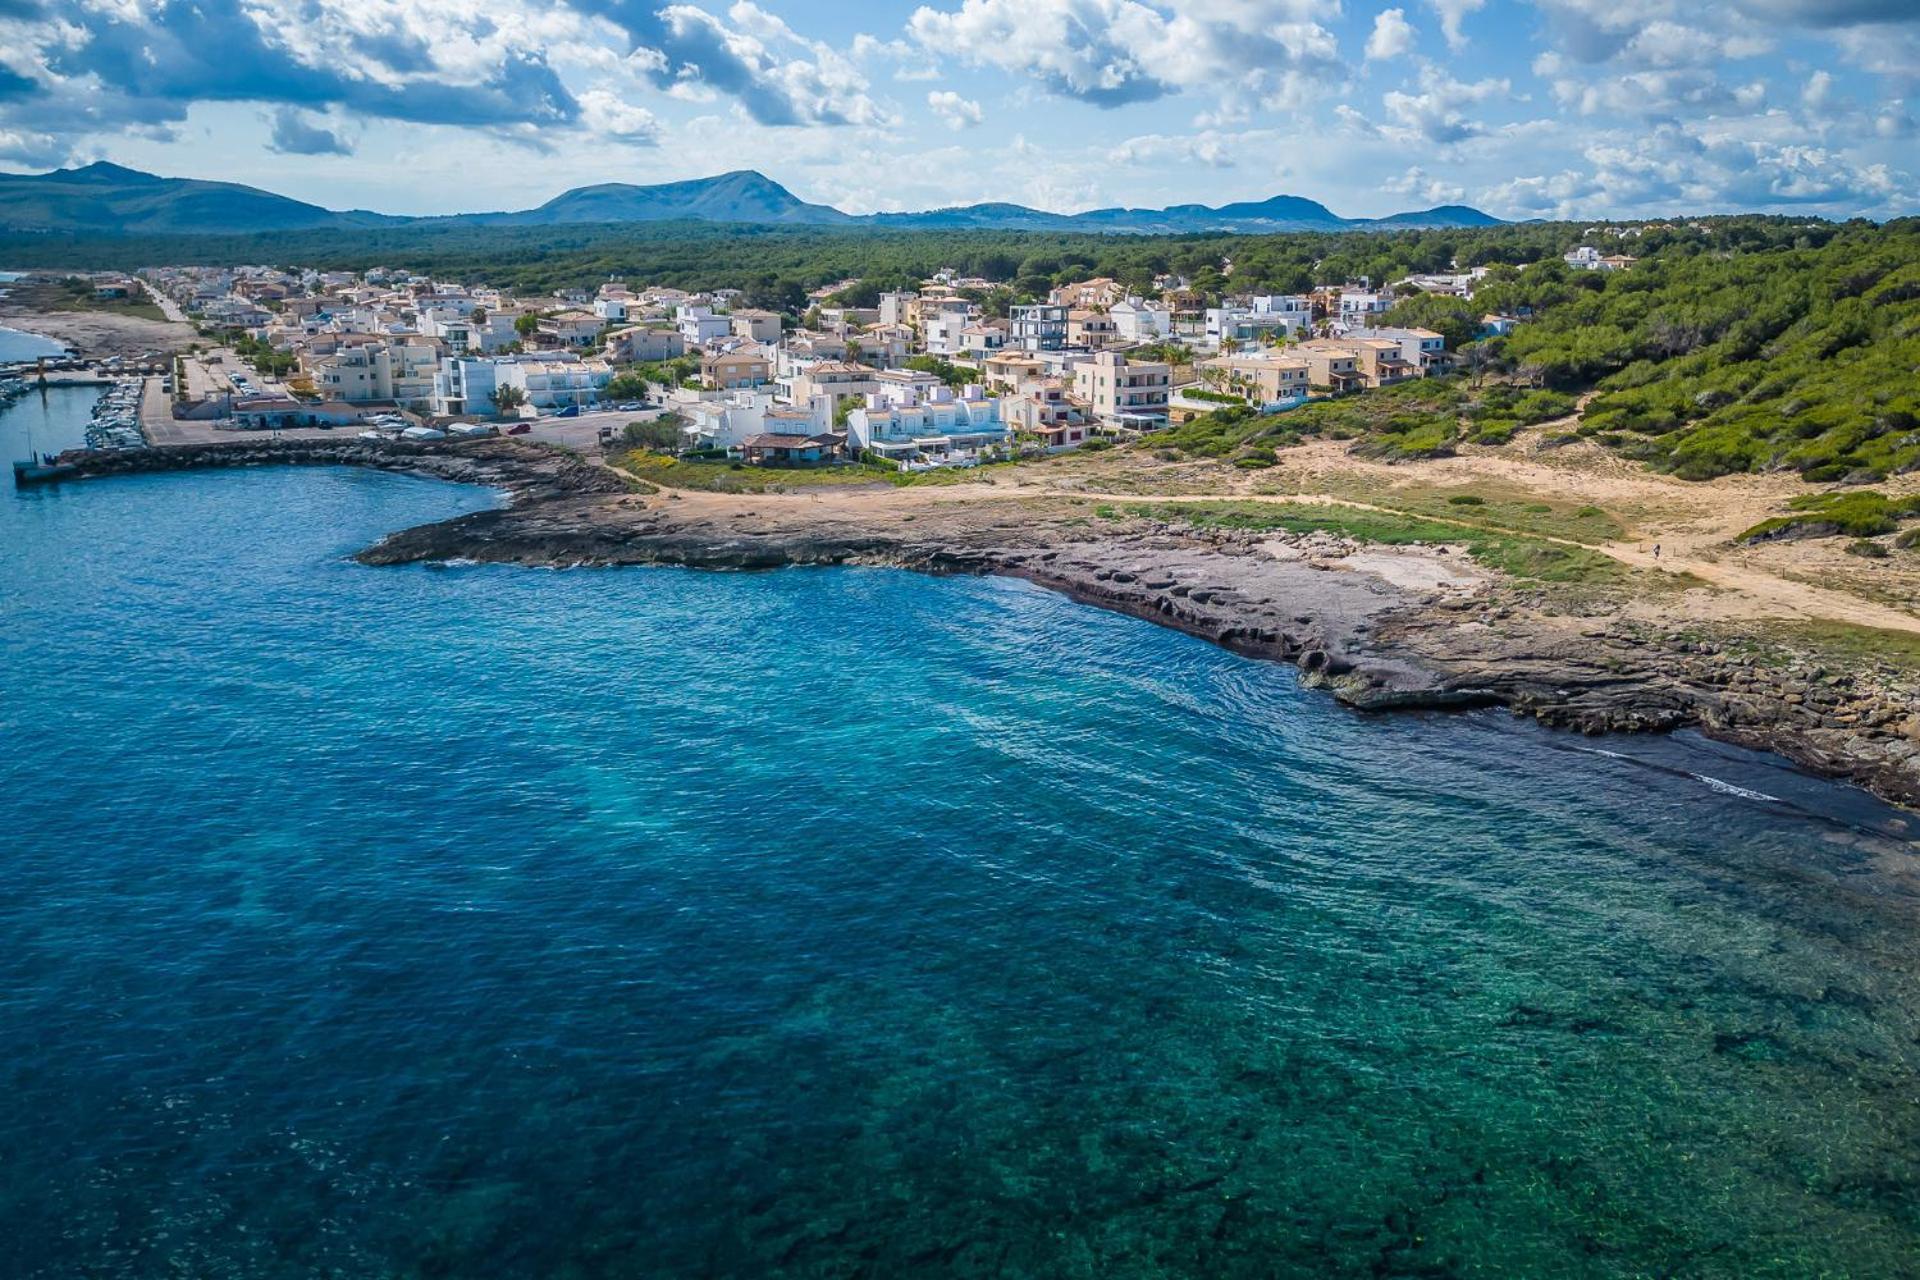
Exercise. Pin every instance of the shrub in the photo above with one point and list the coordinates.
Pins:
(1472, 500)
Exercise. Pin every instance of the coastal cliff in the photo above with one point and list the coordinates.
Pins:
(1414, 629)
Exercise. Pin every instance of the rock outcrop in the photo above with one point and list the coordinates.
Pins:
(1374, 643)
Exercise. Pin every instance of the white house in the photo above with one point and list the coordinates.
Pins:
(549, 380)
(698, 325)
(1358, 304)
(733, 418)
(944, 324)
(1137, 321)
(940, 430)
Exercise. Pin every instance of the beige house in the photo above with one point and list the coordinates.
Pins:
(1095, 329)
(1046, 411)
(1381, 361)
(834, 379)
(645, 343)
(1011, 371)
(1122, 392)
(400, 371)
(571, 328)
(1100, 292)
(1262, 378)
(1332, 366)
(755, 326)
(736, 370)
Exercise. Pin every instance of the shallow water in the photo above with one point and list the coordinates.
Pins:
(481, 921)
(18, 344)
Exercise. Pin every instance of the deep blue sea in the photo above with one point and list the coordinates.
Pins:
(478, 921)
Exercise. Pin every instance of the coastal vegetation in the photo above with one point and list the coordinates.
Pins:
(1864, 513)
(1422, 418)
(77, 293)
(1530, 558)
(716, 474)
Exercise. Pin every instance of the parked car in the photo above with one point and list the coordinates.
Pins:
(571, 411)
(519, 429)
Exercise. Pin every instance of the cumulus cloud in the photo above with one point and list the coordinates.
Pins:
(1423, 186)
(958, 112)
(140, 68)
(1210, 148)
(1437, 113)
(607, 115)
(1681, 169)
(1114, 53)
(294, 135)
(778, 76)
(1452, 13)
(1392, 35)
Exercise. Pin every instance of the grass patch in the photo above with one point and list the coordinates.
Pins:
(717, 476)
(1864, 513)
(1844, 646)
(1514, 554)
(75, 294)
(1420, 418)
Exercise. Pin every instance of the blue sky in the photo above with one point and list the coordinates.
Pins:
(1526, 108)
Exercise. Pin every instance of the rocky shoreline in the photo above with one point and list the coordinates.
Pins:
(1375, 640)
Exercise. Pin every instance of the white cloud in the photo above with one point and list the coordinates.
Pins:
(1452, 13)
(1392, 35)
(1423, 186)
(608, 115)
(1114, 53)
(1210, 148)
(956, 111)
(1437, 113)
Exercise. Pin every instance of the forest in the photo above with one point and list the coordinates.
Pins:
(778, 265)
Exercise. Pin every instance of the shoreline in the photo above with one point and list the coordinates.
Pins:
(1379, 629)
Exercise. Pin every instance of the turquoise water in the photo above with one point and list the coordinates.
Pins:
(478, 921)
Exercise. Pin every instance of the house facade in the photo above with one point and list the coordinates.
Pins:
(1124, 393)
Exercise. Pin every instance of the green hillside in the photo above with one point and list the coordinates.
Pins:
(1801, 356)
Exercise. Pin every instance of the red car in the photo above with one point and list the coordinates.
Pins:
(519, 429)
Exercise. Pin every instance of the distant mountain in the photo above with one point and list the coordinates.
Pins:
(108, 199)
(739, 196)
(1446, 215)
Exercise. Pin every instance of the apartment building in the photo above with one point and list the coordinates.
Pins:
(1037, 326)
(1262, 379)
(1124, 393)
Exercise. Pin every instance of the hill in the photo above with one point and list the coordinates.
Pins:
(740, 196)
(112, 200)
(107, 198)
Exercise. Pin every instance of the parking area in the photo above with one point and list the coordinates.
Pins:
(583, 433)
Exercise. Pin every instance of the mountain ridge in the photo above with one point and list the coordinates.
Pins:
(106, 198)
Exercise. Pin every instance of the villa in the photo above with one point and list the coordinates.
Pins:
(941, 430)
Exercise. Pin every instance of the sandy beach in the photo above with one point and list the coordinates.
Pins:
(100, 334)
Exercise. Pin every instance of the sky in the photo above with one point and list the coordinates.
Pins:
(1523, 108)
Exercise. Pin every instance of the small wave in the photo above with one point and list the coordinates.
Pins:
(1724, 787)
(1727, 788)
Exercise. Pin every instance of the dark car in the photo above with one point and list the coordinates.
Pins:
(519, 429)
